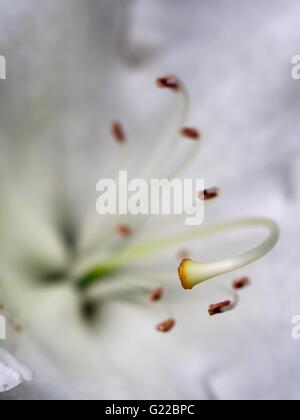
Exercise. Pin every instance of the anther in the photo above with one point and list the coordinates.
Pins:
(184, 254)
(124, 230)
(166, 326)
(118, 132)
(190, 133)
(208, 194)
(156, 295)
(218, 308)
(17, 327)
(241, 283)
(168, 82)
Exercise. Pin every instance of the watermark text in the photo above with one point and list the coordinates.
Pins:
(155, 197)
(295, 67)
(2, 328)
(2, 67)
(296, 328)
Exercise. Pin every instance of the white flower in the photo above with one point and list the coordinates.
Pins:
(56, 157)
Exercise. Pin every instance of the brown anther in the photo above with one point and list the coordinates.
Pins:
(124, 230)
(208, 194)
(218, 308)
(118, 132)
(156, 294)
(183, 254)
(166, 326)
(190, 133)
(1, 307)
(168, 82)
(18, 328)
(241, 283)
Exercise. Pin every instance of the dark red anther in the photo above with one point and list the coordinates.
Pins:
(209, 194)
(190, 133)
(218, 308)
(118, 132)
(168, 82)
(241, 283)
(124, 230)
(156, 294)
(166, 326)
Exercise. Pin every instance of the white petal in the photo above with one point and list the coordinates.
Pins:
(12, 373)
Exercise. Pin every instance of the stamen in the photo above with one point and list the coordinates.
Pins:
(190, 133)
(124, 230)
(168, 82)
(209, 194)
(241, 283)
(1, 307)
(166, 326)
(219, 308)
(118, 132)
(156, 295)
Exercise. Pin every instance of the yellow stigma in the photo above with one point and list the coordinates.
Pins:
(192, 273)
(185, 274)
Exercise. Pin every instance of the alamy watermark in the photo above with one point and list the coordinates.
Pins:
(155, 197)
(295, 67)
(2, 67)
(2, 327)
(296, 328)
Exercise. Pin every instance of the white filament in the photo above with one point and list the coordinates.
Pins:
(194, 272)
(151, 168)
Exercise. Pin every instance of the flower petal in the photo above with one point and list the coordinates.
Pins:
(12, 373)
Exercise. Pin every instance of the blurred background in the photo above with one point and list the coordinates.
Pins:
(74, 66)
